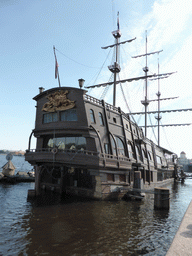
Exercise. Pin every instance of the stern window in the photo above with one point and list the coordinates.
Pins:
(69, 143)
(69, 115)
(50, 117)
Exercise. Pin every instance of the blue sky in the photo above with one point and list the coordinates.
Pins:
(79, 29)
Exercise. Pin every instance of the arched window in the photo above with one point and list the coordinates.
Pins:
(113, 146)
(144, 153)
(138, 152)
(92, 116)
(149, 155)
(130, 149)
(101, 118)
(120, 146)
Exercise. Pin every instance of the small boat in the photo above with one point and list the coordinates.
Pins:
(19, 177)
(8, 173)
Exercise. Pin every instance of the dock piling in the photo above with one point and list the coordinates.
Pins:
(161, 200)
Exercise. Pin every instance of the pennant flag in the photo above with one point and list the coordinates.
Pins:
(118, 21)
(56, 68)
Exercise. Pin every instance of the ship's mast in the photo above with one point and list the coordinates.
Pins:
(115, 68)
(158, 117)
(145, 102)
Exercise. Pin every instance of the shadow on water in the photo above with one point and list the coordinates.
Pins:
(51, 198)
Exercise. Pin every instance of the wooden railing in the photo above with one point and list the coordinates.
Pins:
(92, 99)
(99, 102)
(82, 152)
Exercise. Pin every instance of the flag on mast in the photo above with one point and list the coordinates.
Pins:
(56, 68)
(56, 64)
(118, 21)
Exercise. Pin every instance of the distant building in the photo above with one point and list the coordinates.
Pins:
(186, 163)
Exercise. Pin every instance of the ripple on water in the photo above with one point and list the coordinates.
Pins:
(87, 228)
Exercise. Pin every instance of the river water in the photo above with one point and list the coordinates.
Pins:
(73, 227)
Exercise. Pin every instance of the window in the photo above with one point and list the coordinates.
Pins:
(69, 115)
(72, 143)
(120, 146)
(130, 150)
(122, 178)
(159, 160)
(138, 152)
(92, 116)
(110, 177)
(114, 120)
(113, 146)
(101, 118)
(106, 147)
(50, 117)
(149, 155)
(144, 153)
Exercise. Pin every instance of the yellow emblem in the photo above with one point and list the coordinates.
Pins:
(58, 101)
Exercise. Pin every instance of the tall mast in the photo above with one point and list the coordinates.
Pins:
(158, 117)
(115, 68)
(145, 102)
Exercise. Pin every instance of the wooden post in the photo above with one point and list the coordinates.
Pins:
(37, 180)
(161, 200)
(31, 194)
(137, 180)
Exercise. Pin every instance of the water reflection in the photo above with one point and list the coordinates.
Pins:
(71, 227)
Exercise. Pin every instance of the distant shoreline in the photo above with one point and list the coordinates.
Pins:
(14, 153)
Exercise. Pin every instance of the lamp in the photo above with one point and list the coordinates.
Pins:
(81, 82)
(41, 89)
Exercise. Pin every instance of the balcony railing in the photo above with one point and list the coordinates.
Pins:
(78, 155)
(74, 151)
(56, 150)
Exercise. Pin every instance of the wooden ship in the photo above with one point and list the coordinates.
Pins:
(89, 148)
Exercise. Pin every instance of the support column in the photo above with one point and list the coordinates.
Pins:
(37, 180)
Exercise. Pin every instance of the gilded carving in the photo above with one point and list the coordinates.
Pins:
(58, 101)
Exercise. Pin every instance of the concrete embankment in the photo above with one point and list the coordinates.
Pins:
(182, 242)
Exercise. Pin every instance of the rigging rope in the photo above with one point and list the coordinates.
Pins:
(153, 131)
(138, 120)
(75, 60)
(125, 100)
(100, 69)
(106, 88)
(166, 138)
